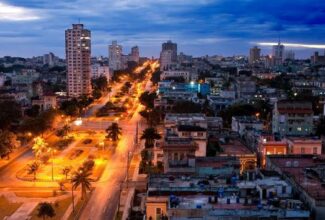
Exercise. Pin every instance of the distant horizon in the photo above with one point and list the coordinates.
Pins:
(199, 27)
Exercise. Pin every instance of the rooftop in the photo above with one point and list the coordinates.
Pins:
(297, 167)
(235, 147)
(247, 119)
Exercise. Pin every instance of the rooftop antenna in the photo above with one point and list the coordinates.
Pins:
(78, 20)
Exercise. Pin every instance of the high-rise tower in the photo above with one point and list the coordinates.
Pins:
(78, 53)
(278, 53)
(115, 56)
(254, 54)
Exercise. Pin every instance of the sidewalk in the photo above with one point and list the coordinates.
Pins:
(21, 151)
(14, 155)
(131, 190)
(70, 208)
(23, 211)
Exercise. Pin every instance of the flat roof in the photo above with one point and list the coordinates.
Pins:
(235, 147)
(295, 169)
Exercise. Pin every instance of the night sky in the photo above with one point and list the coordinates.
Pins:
(200, 27)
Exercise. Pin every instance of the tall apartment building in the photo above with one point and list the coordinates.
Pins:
(169, 45)
(135, 55)
(165, 60)
(115, 56)
(99, 69)
(78, 53)
(292, 118)
(254, 54)
(49, 59)
(278, 54)
(168, 55)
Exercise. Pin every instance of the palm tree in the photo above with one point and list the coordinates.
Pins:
(33, 168)
(113, 131)
(65, 171)
(82, 178)
(45, 210)
(39, 147)
(64, 131)
(150, 135)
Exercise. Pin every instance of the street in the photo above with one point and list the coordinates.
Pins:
(103, 200)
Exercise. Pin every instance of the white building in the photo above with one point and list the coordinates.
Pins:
(176, 73)
(98, 70)
(241, 124)
(115, 56)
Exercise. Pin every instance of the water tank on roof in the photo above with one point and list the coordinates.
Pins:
(288, 164)
(295, 163)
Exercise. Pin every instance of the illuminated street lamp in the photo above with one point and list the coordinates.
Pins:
(78, 122)
(102, 144)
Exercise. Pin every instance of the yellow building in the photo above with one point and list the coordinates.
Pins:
(156, 207)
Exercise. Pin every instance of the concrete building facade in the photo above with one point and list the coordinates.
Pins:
(78, 53)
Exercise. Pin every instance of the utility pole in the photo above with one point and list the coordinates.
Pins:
(136, 132)
(127, 170)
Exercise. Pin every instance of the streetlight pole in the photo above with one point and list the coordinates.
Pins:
(119, 200)
(127, 169)
(52, 164)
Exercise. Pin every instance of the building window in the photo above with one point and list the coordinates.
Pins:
(315, 150)
(302, 150)
(158, 213)
(299, 129)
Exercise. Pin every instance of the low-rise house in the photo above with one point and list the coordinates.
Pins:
(218, 103)
(186, 75)
(304, 146)
(306, 175)
(241, 124)
(194, 197)
(267, 145)
(46, 102)
(235, 148)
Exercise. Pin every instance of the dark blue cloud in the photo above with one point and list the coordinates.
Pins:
(199, 26)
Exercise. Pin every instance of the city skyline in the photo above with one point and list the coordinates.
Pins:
(198, 27)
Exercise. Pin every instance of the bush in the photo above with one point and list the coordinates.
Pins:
(88, 165)
(61, 144)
